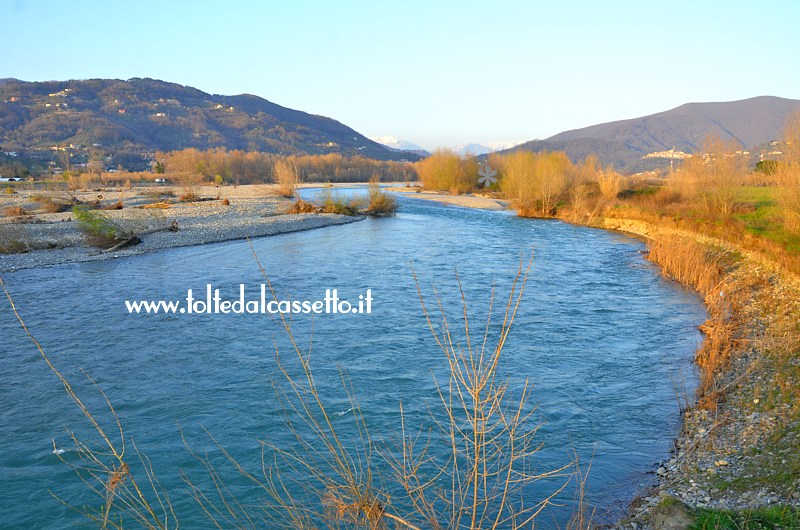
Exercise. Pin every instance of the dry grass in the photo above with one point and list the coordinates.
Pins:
(53, 203)
(788, 175)
(14, 211)
(189, 196)
(709, 271)
(301, 206)
(380, 202)
(84, 181)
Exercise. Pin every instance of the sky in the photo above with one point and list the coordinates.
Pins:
(435, 73)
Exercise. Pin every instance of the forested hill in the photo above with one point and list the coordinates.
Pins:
(626, 144)
(139, 116)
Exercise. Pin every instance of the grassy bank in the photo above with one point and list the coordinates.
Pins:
(739, 449)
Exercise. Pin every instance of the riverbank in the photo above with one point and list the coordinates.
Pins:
(481, 202)
(738, 452)
(46, 239)
(739, 448)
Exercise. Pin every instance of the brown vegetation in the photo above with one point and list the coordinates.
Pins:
(285, 175)
(14, 211)
(787, 175)
(609, 182)
(247, 167)
(706, 270)
(380, 202)
(712, 177)
(535, 182)
(301, 206)
(444, 170)
(53, 203)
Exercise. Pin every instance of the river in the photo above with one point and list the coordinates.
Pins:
(606, 341)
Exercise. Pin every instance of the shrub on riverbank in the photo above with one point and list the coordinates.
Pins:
(285, 175)
(444, 170)
(535, 182)
(380, 202)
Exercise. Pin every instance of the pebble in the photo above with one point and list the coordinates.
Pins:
(199, 223)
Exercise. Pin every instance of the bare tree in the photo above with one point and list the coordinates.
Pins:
(286, 176)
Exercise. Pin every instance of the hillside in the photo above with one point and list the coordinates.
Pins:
(751, 122)
(132, 119)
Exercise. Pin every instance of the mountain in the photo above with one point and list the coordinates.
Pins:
(139, 116)
(483, 149)
(472, 149)
(750, 122)
(393, 142)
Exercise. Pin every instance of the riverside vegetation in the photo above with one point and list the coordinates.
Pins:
(733, 235)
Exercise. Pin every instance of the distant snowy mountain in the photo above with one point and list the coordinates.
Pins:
(501, 145)
(482, 149)
(473, 149)
(396, 143)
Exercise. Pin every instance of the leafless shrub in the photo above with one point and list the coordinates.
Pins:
(286, 176)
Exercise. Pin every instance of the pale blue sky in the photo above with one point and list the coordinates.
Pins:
(436, 73)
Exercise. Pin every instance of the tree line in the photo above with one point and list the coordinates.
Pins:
(247, 167)
(548, 184)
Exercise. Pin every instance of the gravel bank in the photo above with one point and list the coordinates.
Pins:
(467, 201)
(742, 453)
(53, 238)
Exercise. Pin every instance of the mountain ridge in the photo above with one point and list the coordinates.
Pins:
(142, 115)
(751, 122)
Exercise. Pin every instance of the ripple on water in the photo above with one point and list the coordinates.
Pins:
(600, 335)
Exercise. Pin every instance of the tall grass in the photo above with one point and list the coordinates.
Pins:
(380, 202)
(787, 175)
(704, 269)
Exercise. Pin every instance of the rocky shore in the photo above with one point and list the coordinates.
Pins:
(481, 202)
(45, 239)
(738, 451)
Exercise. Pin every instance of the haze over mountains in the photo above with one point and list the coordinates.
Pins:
(139, 116)
(473, 149)
(392, 142)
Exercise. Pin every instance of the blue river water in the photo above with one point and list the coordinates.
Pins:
(606, 341)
